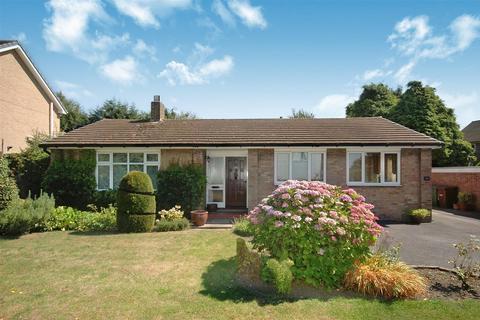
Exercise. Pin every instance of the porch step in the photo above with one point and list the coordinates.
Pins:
(231, 216)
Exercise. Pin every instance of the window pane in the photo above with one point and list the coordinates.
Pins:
(104, 157)
(215, 196)
(136, 167)
(216, 170)
(136, 157)
(316, 167)
(152, 173)
(119, 170)
(355, 167)
(283, 166)
(300, 165)
(152, 157)
(120, 157)
(391, 170)
(103, 177)
(372, 167)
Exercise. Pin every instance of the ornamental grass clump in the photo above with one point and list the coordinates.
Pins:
(320, 227)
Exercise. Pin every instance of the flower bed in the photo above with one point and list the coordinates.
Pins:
(320, 227)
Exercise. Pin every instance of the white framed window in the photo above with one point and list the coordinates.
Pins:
(373, 167)
(113, 165)
(299, 165)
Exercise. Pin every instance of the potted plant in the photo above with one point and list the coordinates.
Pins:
(418, 216)
(199, 217)
(465, 201)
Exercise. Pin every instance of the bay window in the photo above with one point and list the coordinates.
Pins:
(373, 168)
(112, 166)
(301, 165)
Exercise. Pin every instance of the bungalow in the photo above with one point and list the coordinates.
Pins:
(244, 159)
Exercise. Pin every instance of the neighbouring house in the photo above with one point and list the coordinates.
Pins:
(472, 135)
(244, 159)
(27, 104)
(465, 179)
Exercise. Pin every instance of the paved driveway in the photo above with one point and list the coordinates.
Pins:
(431, 243)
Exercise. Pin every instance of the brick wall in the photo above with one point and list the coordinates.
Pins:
(260, 175)
(390, 202)
(465, 181)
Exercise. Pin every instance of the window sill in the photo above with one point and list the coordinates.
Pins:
(359, 184)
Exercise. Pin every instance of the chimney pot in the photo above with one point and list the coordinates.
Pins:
(157, 110)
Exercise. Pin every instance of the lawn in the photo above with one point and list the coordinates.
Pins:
(174, 275)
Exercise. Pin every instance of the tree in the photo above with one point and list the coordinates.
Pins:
(172, 113)
(376, 100)
(115, 109)
(421, 109)
(75, 116)
(301, 114)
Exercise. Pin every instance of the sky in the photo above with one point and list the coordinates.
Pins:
(249, 58)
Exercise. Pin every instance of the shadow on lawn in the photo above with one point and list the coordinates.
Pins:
(219, 282)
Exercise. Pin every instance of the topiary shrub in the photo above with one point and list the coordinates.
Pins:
(8, 187)
(249, 262)
(136, 203)
(320, 227)
(279, 274)
(72, 182)
(181, 185)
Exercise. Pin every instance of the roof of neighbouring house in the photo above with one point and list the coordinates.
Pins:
(244, 132)
(7, 45)
(472, 131)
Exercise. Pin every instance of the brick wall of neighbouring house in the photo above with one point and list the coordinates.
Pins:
(391, 202)
(260, 175)
(465, 181)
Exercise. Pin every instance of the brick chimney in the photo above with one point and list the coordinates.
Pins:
(157, 110)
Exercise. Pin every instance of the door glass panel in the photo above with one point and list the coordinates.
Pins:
(372, 167)
(391, 170)
(316, 167)
(283, 166)
(119, 170)
(103, 177)
(355, 167)
(152, 173)
(120, 157)
(136, 157)
(215, 195)
(300, 165)
(216, 170)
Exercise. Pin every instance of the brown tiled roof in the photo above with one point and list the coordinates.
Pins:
(244, 132)
(472, 131)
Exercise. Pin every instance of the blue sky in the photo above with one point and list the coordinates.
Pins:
(249, 58)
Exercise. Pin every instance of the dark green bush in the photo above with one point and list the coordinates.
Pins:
(279, 274)
(27, 215)
(172, 225)
(72, 182)
(105, 198)
(8, 187)
(181, 185)
(30, 165)
(136, 203)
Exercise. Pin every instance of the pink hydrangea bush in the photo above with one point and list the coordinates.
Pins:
(320, 227)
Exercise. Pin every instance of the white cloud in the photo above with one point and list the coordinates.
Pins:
(180, 73)
(334, 105)
(73, 90)
(222, 11)
(142, 49)
(145, 12)
(66, 30)
(404, 72)
(20, 37)
(465, 105)
(124, 71)
(251, 16)
(466, 30)
(372, 74)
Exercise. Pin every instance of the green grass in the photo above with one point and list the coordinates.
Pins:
(171, 275)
